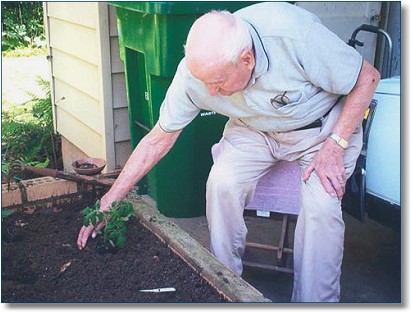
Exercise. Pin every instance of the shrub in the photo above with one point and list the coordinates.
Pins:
(28, 135)
(22, 25)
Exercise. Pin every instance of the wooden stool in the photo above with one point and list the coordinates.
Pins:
(278, 193)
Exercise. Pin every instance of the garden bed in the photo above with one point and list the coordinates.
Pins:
(41, 262)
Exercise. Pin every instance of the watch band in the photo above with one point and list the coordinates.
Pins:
(339, 140)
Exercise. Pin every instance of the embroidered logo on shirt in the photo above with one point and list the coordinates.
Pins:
(280, 100)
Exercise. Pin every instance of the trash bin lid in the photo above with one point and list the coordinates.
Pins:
(178, 7)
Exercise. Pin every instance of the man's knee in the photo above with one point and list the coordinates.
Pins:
(221, 180)
(318, 203)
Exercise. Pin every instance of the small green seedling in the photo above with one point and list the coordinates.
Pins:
(114, 218)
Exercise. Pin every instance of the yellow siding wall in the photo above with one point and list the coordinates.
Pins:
(74, 51)
(88, 80)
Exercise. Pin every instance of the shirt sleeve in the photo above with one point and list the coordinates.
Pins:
(329, 62)
(177, 109)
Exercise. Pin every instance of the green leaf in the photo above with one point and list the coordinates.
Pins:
(100, 216)
(93, 220)
(86, 222)
(121, 241)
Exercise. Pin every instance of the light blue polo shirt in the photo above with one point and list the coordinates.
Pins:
(301, 69)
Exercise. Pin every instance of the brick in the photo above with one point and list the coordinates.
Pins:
(46, 187)
(10, 196)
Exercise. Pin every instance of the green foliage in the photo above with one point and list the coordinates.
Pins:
(5, 212)
(22, 24)
(28, 135)
(25, 52)
(115, 220)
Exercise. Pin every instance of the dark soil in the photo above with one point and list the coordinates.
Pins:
(41, 263)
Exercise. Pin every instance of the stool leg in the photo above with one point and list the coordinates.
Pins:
(284, 228)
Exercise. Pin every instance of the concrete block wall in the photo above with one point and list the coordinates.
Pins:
(28, 193)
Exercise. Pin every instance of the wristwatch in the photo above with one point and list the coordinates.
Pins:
(339, 140)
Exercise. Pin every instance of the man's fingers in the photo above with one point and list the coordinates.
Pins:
(87, 231)
(333, 186)
(84, 234)
(308, 171)
(327, 185)
(97, 228)
(339, 186)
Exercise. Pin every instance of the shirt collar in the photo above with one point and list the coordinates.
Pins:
(261, 58)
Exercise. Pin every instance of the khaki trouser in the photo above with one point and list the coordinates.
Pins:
(242, 157)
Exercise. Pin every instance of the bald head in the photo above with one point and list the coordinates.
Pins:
(217, 38)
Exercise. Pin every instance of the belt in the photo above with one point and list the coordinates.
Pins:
(318, 122)
(315, 124)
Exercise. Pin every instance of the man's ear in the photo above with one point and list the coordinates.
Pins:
(248, 59)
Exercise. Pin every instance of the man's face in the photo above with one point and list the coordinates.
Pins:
(225, 80)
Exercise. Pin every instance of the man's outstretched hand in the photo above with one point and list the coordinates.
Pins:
(86, 231)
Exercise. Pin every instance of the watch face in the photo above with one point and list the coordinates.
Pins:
(343, 143)
(340, 141)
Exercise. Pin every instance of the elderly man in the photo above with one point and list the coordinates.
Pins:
(292, 91)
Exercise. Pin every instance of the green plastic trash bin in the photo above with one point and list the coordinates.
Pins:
(151, 39)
